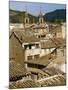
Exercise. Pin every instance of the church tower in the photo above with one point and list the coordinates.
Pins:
(41, 20)
(26, 19)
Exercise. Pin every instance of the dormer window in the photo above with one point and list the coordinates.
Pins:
(37, 45)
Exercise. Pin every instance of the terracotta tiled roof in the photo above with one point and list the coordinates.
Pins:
(53, 43)
(10, 35)
(24, 84)
(54, 28)
(48, 44)
(25, 36)
(16, 71)
(35, 70)
(52, 71)
(56, 80)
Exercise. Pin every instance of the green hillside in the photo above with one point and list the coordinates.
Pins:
(18, 17)
(55, 16)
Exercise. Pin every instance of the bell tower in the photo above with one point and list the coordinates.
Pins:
(41, 20)
(26, 19)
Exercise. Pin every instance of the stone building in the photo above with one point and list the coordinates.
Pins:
(26, 19)
(41, 19)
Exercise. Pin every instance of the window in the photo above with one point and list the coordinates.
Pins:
(12, 58)
(29, 57)
(30, 65)
(35, 66)
(36, 56)
(25, 46)
(39, 36)
(37, 45)
(42, 36)
(33, 47)
(29, 46)
(26, 21)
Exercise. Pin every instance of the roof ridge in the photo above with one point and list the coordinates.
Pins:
(16, 36)
(53, 41)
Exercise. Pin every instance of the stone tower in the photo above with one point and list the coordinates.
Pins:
(41, 19)
(26, 19)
